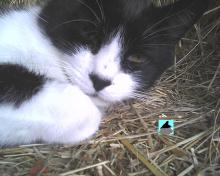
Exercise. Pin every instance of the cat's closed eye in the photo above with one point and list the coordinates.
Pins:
(134, 63)
(136, 59)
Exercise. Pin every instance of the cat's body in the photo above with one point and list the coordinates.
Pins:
(58, 111)
(60, 63)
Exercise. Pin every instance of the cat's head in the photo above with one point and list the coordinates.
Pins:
(113, 49)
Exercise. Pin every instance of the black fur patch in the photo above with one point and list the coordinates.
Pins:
(17, 84)
(74, 23)
(148, 32)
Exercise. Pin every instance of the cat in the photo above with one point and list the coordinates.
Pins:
(62, 62)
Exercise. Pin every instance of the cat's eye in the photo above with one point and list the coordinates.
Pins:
(136, 60)
(134, 63)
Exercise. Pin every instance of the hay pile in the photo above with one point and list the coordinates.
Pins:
(189, 93)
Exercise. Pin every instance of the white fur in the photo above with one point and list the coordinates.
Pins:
(60, 112)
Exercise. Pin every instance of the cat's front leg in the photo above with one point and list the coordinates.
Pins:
(58, 113)
(75, 116)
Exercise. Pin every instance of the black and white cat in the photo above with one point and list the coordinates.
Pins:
(60, 63)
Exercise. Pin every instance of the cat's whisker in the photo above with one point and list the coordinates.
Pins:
(40, 17)
(161, 30)
(138, 76)
(75, 20)
(70, 69)
(160, 21)
(91, 10)
(138, 80)
(155, 25)
(156, 44)
(101, 10)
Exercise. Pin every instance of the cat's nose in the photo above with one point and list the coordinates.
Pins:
(98, 82)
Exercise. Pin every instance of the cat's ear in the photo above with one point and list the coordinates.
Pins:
(171, 22)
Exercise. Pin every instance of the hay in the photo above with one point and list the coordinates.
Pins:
(189, 93)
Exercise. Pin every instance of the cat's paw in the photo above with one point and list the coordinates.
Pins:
(75, 117)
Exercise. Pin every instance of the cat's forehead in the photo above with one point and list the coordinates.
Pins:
(126, 8)
(91, 23)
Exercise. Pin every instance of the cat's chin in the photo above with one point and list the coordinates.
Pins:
(99, 102)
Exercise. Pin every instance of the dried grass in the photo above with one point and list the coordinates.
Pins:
(128, 143)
